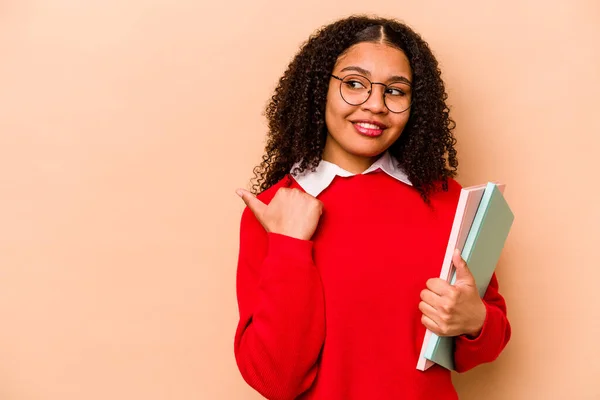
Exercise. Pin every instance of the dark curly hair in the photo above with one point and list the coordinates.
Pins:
(296, 111)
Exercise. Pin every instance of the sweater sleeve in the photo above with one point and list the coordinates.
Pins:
(281, 328)
(495, 334)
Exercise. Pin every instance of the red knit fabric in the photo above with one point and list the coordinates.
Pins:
(337, 318)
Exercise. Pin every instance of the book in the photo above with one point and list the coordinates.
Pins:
(486, 237)
(468, 202)
(466, 208)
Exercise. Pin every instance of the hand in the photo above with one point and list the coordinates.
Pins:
(291, 212)
(453, 310)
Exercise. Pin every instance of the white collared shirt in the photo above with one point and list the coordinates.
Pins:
(315, 182)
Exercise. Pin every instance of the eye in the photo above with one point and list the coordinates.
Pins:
(354, 84)
(395, 91)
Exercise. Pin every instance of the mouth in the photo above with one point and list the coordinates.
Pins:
(369, 128)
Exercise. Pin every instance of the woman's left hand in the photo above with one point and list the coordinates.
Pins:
(452, 310)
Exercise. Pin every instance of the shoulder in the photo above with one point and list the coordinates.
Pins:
(452, 186)
(446, 193)
(267, 195)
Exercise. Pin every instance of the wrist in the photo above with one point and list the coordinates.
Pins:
(479, 321)
(474, 334)
(293, 232)
(294, 235)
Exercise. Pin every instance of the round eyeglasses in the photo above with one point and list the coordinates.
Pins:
(356, 90)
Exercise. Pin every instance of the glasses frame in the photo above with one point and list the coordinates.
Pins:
(370, 92)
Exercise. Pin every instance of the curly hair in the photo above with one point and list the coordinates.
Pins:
(296, 111)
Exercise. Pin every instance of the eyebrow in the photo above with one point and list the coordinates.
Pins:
(394, 78)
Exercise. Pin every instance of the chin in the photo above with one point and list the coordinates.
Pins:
(369, 150)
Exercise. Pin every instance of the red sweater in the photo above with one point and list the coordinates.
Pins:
(337, 318)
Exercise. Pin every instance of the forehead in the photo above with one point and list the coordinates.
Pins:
(380, 59)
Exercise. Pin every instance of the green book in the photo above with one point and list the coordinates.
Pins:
(481, 251)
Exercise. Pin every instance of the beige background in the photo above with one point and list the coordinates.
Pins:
(119, 222)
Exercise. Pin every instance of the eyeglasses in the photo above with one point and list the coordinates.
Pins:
(356, 90)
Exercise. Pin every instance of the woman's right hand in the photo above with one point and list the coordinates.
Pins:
(291, 212)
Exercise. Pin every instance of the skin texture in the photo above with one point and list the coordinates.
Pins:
(296, 112)
(291, 212)
(452, 310)
(344, 146)
(310, 121)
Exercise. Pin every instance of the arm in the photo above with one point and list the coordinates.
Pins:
(493, 337)
(282, 319)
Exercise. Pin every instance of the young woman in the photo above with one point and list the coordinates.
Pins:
(343, 238)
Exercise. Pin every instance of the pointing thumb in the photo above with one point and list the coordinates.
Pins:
(462, 269)
(254, 204)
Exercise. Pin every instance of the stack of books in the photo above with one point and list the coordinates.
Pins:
(481, 225)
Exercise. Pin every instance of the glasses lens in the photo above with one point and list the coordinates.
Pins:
(355, 89)
(397, 97)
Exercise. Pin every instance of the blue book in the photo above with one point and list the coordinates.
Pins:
(481, 251)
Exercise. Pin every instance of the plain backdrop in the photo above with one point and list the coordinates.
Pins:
(126, 126)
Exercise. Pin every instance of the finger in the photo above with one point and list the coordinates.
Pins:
(255, 205)
(430, 324)
(438, 286)
(462, 269)
(430, 298)
(427, 310)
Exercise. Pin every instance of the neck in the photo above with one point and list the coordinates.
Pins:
(353, 163)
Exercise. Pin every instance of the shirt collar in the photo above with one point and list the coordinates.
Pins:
(315, 182)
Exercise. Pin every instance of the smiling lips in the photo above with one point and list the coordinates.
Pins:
(370, 128)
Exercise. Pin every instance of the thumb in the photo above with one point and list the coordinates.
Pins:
(255, 205)
(462, 269)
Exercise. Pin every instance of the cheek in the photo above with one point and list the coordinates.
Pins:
(336, 109)
(400, 122)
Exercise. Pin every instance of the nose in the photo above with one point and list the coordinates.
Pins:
(376, 103)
